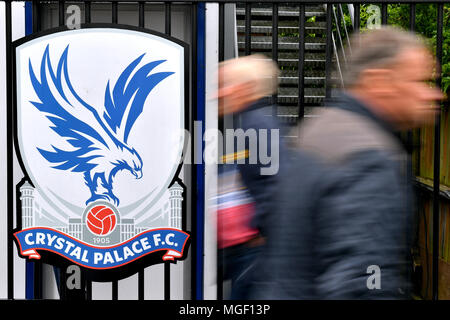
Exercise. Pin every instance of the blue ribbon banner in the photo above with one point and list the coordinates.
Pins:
(95, 257)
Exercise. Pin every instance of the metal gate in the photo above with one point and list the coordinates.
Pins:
(310, 69)
(166, 18)
(301, 89)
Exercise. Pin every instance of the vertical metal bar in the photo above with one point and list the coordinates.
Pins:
(114, 8)
(88, 281)
(329, 49)
(88, 289)
(410, 147)
(274, 51)
(357, 18)
(28, 18)
(437, 157)
(37, 265)
(9, 156)
(194, 167)
(275, 32)
(412, 17)
(199, 146)
(62, 283)
(36, 22)
(384, 13)
(301, 63)
(220, 257)
(338, 17)
(168, 25)
(87, 12)
(115, 290)
(168, 12)
(221, 31)
(61, 13)
(340, 44)
(248, 27)
(141, 14)
(29, 279)
(345, 25)
(38, 280)
(166, 280)
(141, 282)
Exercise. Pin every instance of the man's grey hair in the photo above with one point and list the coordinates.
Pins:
(377, 48)
(256, 68)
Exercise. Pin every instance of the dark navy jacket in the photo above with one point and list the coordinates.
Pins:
(342, 211)
(261, 187)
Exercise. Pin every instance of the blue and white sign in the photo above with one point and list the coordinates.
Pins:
(99, 116)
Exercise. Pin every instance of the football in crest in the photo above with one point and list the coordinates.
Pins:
(101, 220)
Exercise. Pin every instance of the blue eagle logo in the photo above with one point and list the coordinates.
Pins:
(98, 143)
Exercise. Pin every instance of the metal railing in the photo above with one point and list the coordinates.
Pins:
(333, 8)
(35, 269)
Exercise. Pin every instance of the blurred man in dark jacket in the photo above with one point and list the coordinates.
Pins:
(342, 225)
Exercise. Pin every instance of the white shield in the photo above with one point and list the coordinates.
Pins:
(138, 160)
